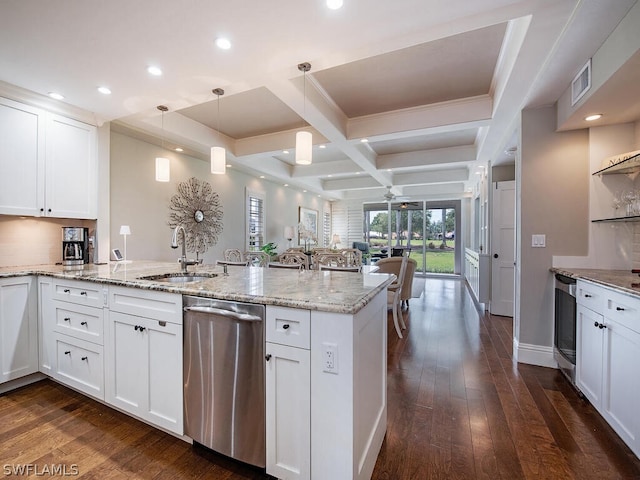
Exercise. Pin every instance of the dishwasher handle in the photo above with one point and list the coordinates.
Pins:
(224, 313)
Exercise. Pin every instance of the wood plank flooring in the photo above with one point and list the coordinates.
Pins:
(459, 408)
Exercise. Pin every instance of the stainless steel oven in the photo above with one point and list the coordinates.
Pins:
(564, 342)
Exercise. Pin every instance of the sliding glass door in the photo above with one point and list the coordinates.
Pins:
(427, 230)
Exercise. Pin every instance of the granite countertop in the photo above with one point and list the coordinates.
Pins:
(622, 280)
(329, 291)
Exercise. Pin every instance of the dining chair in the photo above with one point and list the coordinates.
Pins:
(296, 258)
(233, 255)
(257, 259)
(353, 256)
(338, 269)
(290, 266)
(394, 291)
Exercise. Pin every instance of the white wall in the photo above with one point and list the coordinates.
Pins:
(554, 197)
(142, 203)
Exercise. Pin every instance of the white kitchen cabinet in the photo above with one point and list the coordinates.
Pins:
(18, 328)
(144, 355)
(589, 352)
(288, 393)
(608, 347)
(72, 339)
(48, 164)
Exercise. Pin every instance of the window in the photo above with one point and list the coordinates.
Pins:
(326, 229)
(255, 220)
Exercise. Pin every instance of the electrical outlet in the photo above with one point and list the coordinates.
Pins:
(330, 357)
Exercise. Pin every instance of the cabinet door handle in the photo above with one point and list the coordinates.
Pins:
(136, 328)
(586, 295)
(68, 352)
(49, 210)
(285, 326)
(84, 358)
(601, 326)
(83, 293)
(267, 357)
(595, 324)
(66, 290)
(42, 209)
(67, 319)
(142, 329)
(620, 309)
(83, 323)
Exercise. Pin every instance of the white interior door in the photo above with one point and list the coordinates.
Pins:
(503, 248)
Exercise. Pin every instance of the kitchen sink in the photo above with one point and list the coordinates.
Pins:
(180, 277)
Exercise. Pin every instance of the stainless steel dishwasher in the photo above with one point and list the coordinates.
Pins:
(224, 397)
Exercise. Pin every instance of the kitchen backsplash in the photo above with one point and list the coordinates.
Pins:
(34, 241)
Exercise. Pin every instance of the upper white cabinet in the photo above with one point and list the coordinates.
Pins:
(48, 164)
(18, 328)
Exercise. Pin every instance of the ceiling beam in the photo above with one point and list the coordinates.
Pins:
(434, 176)
(324, 168)
(421, 158)
(351, 183)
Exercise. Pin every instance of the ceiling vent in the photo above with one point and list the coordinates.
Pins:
(581, 83)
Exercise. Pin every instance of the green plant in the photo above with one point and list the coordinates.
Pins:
(270, 249)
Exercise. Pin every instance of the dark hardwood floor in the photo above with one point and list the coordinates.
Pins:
(459, 408)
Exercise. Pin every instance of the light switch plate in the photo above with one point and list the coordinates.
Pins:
(538, 240)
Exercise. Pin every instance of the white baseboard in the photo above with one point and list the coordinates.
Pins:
(21, 382)
(534, 354)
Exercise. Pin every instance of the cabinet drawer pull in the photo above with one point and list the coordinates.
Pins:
(620, 309)
(601, 326)
(285, 326)
(136, 328)
(67, 319)
(83, 323)
(66, 290)
(595, 324)
(68, 352)
(83, 293)
(267, 357)
(586, 295)
(84, 358)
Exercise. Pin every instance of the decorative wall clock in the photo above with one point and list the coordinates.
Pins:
(198, 209)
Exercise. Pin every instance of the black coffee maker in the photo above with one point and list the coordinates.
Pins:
(75, 246)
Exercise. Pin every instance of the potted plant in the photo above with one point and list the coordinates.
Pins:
(270, 249)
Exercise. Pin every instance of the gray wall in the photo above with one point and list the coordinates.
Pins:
(137, 200)
(554, 198)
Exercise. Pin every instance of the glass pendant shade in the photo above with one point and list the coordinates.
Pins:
(218, 160)
(163, 169)
(303, 148)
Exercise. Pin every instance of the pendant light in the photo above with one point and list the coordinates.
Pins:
(218, 154)
(304, 141)
(163, 168)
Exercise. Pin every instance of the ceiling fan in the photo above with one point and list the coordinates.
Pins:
(390, 196)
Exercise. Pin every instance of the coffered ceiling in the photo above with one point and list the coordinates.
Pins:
(412, 94)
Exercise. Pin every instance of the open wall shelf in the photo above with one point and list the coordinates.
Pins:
(634, 218)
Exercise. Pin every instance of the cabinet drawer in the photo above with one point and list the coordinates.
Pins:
(78, 292)
(86, 323)
(624, 309)
(591, 296)
(288, 326)
(80, 365)
(146, 303)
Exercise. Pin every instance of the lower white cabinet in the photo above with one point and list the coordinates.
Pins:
(144, 356)
(18, 328)
(608, 355)
(288, 392)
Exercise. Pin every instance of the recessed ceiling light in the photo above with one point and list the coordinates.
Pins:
(357, 173)
(223, 43)
(178, 149)
(322, 146)
(228, 165)
(364, 140)
(329, 175)
(261, 176)
(104, 90)
(286, 184)
(285, 152)
(593, 117)
(388, 169)
(304, 191)
(56, 96)
(155, 71)
(334, 4)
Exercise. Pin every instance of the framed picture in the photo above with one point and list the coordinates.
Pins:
(307, 226)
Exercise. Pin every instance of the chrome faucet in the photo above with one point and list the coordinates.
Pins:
(174, 244)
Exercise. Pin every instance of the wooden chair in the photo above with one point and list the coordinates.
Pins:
(233, 255)
(257, 259)
(335, 261)
(353, 256)
(393, 297)
(392, 265)
(295, 258)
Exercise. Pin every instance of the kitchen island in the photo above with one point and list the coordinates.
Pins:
(322, 421)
